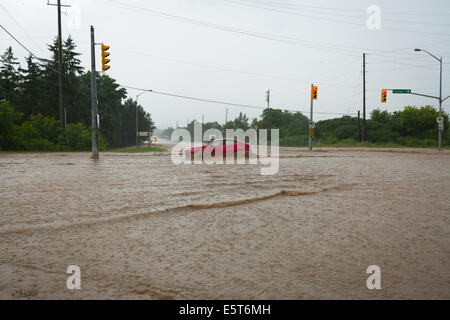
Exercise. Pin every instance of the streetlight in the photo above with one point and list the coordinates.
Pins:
(137, 121)
(440, 93)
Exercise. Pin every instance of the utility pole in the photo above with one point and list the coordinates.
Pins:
(60, 64)
(137, 125)
(94, 98)
(440, 108)
(364, 100)
(203, 118)
(268, 98)
(226, 116)
(359, 126)
(311, 119)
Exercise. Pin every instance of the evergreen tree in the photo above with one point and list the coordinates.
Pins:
(30, 89)
(9, 77)
(72, 69)
(50, 89)
(71, 83)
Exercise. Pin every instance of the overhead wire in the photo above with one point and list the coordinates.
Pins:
(227, 103)
(338, 21)
(21, 27)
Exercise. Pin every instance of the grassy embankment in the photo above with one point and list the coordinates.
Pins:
(141, 150)
(131, 150)
(353, 144)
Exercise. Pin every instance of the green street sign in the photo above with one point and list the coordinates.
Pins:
(401, 91)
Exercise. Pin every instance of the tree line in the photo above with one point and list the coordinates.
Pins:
(29, 106)
(29, 112)
(411, 127)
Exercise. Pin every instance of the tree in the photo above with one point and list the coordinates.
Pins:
(381, 116)
(167, 133)
(72, 69)
(71, 83)
(33, 91)
(8, 127)
(241, 122)
(418, 122)
(289, 123)
(9, 76)
(30, 89)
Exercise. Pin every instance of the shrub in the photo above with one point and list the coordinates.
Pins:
(76, 137)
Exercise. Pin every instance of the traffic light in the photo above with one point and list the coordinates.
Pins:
(105, 54)
(383, 96)
(314, 93)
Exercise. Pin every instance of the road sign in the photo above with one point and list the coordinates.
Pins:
(441, 126)
(440, 120)
(401, 91)
(312, 124)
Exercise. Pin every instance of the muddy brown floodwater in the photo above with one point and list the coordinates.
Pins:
(140, 227)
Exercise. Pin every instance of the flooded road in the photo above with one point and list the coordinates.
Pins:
(140, 227)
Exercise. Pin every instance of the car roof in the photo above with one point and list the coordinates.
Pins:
(225, 139)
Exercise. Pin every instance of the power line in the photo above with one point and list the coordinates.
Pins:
(295, 11)
(23, 46)
(256, 74)
(220, 102)
(287, 5)
(339, 49)
(344, 22)
(20, 26)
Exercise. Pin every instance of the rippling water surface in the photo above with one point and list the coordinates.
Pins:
(141, 227)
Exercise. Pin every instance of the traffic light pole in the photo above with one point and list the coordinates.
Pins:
(440, 106)
(311, 119)
(440, 129)
(94, 102)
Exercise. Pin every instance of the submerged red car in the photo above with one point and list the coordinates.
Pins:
(226, 147)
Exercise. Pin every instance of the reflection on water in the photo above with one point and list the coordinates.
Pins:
(140, 227)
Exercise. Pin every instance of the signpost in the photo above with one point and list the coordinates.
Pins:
(401, 91)
(440, 119)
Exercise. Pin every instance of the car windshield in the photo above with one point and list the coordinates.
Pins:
(230, 142)
(218, 143)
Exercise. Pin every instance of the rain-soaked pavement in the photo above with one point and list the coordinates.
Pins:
(141, 227)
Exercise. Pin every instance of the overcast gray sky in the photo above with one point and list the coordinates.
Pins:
(202, 48)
